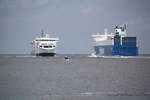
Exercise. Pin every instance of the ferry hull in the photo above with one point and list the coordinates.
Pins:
(103, 50)
(103, 44)
(45, 54)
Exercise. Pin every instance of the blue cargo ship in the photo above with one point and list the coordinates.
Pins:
(115, 44)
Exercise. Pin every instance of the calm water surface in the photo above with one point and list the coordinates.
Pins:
(80, 78)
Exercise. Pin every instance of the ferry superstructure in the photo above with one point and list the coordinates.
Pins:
(44, 45)
(103, 43)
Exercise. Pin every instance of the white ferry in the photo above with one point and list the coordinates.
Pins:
(103, 43)
(44, 45)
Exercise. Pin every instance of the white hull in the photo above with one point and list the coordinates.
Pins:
(40, 50)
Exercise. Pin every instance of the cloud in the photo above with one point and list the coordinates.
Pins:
(33, 3)
(138, 20)
(39, 2)
(91, 10)
(22, 3)
(86, 11)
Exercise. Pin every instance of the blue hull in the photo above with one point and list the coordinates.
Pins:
(127, 48)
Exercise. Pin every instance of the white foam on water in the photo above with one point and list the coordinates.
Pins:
(116, 57)
(25, 56)
(123, 57)
(119, 93)
(87, 93)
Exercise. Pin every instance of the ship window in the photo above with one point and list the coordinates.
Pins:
(46, 46)
(45, 40)
(40, 46)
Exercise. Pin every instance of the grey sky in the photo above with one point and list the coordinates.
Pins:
(73, 21)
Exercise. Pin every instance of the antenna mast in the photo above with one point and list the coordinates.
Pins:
(42, 33)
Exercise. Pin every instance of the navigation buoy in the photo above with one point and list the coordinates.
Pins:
(67, 58)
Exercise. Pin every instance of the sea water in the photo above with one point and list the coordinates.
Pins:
(24, 77)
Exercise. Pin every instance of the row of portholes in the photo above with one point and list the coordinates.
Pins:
(47, 46)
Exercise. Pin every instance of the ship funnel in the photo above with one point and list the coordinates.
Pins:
(42, 33)
(47, 35)
(105, 31)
